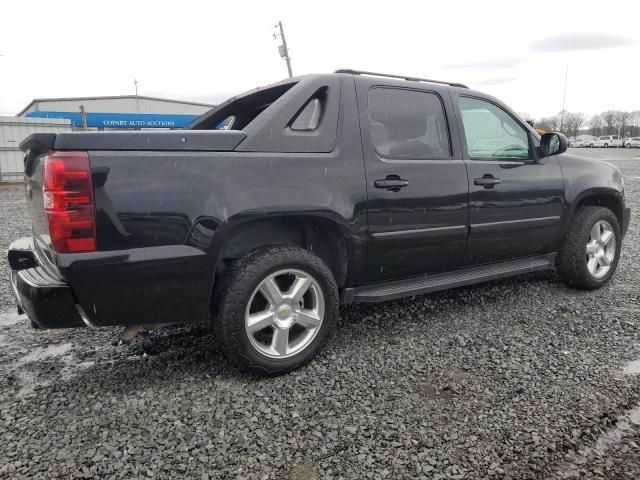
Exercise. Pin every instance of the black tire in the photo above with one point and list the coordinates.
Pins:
(606, 145)
(571, 263)
(234, 291)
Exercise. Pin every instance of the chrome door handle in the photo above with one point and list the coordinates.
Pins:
(487, 181)
(393, 183)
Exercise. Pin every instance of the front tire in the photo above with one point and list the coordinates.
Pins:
(591, 249)
(274, 309)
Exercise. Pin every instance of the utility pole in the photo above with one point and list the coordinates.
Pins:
(283, 49)
(135, 82)
(83, 117)
(564, 97)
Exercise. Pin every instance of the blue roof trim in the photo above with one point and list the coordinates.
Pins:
(121, 120)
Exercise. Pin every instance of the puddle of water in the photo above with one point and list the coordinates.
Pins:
(632, 368)
(627, 422)
(28, 382)
(29, 379)
(614, 436)
(49, 351)
(11, 318)
(634, 416)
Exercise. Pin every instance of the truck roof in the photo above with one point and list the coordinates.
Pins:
(400, 77)
(267, 94)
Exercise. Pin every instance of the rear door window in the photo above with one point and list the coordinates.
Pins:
(408, 123)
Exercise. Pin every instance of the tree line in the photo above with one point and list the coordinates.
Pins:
(611, 122)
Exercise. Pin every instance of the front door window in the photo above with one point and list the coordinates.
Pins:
(492, 133)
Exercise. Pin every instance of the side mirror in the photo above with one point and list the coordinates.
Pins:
(552, 144)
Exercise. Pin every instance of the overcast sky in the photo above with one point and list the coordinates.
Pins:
(208, 51)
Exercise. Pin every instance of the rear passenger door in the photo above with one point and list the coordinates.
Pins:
(416, 180)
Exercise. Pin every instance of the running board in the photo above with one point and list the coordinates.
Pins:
(382, 292)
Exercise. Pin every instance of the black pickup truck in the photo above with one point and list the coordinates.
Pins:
(319, 190)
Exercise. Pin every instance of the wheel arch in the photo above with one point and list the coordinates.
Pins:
(601, 197)
(319, 235)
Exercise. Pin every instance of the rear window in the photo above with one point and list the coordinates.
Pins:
(408, 123)
(309, 117)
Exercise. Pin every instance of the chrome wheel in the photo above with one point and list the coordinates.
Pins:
(284, 314)
(601, 249)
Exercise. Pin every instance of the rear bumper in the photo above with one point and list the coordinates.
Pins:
(626, 219)
(46, 299)
(169, 284)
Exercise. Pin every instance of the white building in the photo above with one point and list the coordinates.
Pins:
(15, 129)
(55, 115)
(126, 111)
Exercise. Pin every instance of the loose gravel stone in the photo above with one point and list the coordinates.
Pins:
(516, 379)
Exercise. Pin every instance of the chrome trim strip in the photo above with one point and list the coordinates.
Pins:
(423, 232)
(509, 225)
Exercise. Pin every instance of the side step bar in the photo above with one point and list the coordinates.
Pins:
(381, 292)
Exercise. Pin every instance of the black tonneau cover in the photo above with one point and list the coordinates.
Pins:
(175, 140)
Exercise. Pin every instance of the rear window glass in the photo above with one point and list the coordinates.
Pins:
(309, 117)
(408, 123)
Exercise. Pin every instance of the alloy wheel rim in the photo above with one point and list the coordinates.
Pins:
(601, 249)
(284, 314)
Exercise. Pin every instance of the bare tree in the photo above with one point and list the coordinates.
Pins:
(596, 123)
(609, 118)
(611, 122)
(573, 122)
(635, 123)
(549, 124)
(622, 119)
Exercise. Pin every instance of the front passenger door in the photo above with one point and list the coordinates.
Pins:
(515, 200)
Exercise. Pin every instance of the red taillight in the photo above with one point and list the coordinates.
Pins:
(68, 202)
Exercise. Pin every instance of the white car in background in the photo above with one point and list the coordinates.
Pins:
(607, 141)
(581, 142)
(632, 142)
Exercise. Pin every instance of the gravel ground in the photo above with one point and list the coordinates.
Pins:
(519, 379)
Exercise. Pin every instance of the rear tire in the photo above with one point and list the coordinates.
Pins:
(591, 249)
(282, 329)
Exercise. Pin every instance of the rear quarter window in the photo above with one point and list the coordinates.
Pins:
(309, 117)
